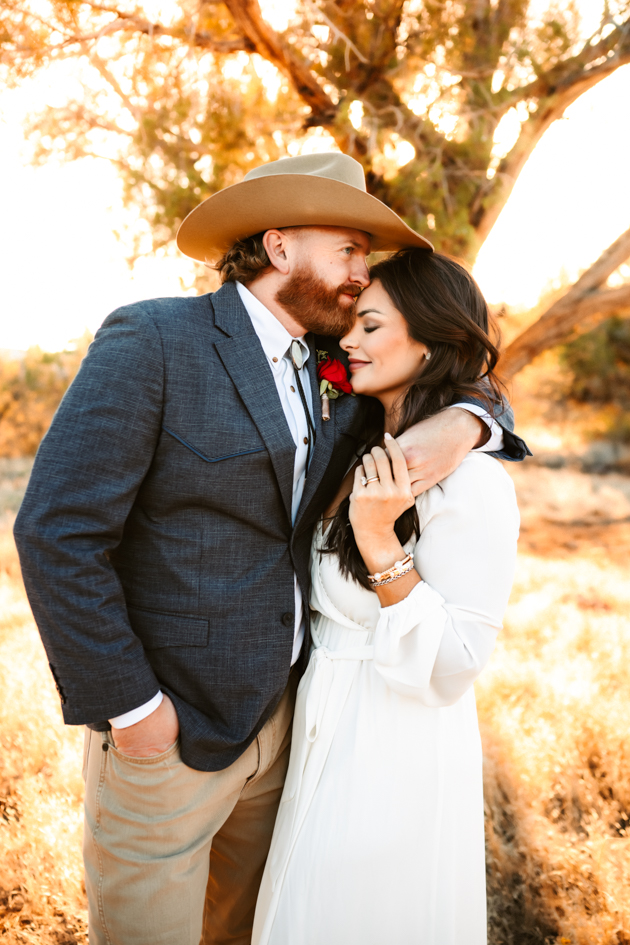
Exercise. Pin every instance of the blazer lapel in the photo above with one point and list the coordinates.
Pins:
(244, 360)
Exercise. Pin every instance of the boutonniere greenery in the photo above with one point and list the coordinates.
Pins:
(333, 381)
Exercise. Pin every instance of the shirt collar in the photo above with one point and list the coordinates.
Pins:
(274, 337)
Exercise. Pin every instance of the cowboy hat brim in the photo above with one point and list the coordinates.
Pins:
(280, 200)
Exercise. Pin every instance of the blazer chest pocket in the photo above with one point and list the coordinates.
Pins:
(157, 630)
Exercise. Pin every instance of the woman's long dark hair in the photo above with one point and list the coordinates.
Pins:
(444, 310)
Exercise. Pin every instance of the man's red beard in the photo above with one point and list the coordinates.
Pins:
(317, 306)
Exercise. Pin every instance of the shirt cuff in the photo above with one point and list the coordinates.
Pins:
(495, 443)
(137, 715)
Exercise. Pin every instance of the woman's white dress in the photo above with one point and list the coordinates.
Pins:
(379, 837)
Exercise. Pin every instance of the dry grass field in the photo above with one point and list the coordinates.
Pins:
(41, 887)
(554, 707)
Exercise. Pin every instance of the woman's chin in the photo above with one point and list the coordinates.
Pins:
(363, 387)
(357, 386)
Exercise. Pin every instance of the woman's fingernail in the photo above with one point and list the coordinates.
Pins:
(388, 436)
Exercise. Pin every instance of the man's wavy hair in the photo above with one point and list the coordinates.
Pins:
(244, 261)
(445, 310)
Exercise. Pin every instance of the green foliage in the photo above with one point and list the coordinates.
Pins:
(599, 363)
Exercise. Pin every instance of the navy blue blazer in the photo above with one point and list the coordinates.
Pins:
(155, 535)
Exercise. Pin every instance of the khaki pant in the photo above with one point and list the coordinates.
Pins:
(150, 827)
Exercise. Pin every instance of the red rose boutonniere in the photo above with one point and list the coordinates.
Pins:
(333, 381)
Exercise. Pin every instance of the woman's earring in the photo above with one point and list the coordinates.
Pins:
(427, 356)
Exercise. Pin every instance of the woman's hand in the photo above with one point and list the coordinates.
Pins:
(373, 512)
(374, 508)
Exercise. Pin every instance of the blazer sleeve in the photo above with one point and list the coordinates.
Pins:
(85, 478)
(514, 449)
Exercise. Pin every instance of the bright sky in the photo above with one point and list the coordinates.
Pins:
(64, 269)
(570, 202)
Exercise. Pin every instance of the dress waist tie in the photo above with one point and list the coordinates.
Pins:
(322, 660)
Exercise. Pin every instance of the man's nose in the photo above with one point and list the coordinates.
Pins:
(361, 274)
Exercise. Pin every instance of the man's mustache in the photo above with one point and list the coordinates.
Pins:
(350, 289)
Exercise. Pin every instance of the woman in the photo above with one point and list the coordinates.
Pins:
(379, 838)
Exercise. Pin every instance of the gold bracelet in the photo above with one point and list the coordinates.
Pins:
(394, 578)
(398, 570)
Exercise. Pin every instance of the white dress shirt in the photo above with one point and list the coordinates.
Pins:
(276, 342)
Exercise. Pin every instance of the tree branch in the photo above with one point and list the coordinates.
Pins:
(100, 66)
(266, 42)
(584, 300)
(132, 23)
(555, 90)
(316, 13)
(615, 47)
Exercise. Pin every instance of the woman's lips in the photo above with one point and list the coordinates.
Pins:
(354, 364)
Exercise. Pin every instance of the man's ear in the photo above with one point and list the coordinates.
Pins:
(275, 243)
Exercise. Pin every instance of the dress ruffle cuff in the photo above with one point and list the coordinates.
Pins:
(407, 639)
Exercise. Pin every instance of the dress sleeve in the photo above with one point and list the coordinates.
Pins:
(433, 644)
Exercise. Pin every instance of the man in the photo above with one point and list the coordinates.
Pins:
(165, 535)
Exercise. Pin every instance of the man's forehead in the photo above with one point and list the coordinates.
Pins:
(339, 235)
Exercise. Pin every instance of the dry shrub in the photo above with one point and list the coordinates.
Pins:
(31, 388)
(41, 891)
(554, 711)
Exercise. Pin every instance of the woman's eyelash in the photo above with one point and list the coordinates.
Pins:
(368, 330)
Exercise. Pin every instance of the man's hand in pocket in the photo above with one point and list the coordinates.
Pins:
(152, 735)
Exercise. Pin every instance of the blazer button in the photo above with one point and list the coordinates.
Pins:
(288, 619)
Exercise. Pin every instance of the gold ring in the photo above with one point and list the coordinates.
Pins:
(365, 481)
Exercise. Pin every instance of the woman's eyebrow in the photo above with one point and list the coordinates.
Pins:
(366, 311)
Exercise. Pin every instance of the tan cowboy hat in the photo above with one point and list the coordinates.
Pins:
(326, 189)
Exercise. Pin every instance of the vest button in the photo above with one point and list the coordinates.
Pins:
(288, 619)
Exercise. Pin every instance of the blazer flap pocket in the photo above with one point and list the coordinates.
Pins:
(157, 630)
(234, 454)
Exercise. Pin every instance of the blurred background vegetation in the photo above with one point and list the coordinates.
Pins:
(598, 364)
(31, 388)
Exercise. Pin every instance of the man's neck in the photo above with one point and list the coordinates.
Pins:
(264, 288)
